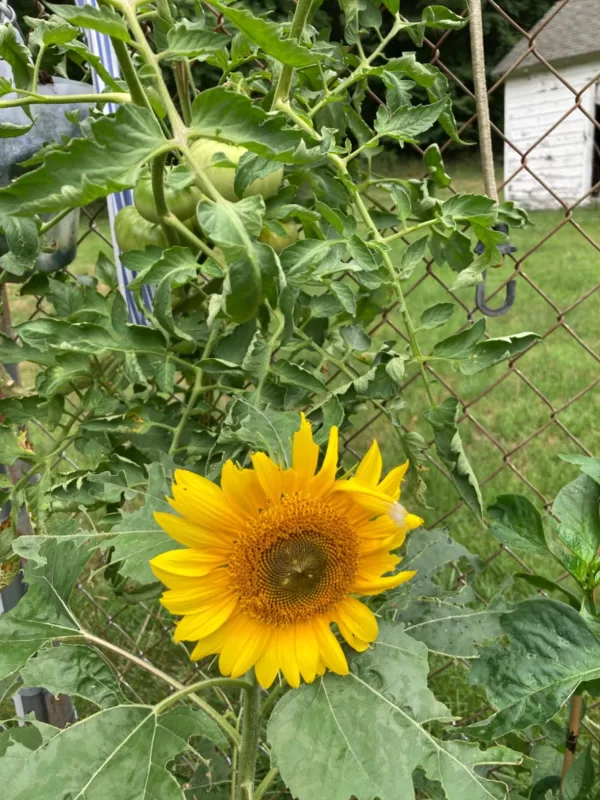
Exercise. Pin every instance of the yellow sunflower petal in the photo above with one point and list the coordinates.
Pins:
(242, 489)
(329, 647)
(242, 647)
(196, 626)
(391, 483)
(369, 469)
(212, 643)
(358, 618)
(369, 498)
(267, 667)
(374, 585)
(202, 502)
(353, 641)
(286, 655)
(377, 563)
(305, 452)
(324, 480)
(176, 568)
(307, 651)
(192, 535)
(194, 599)
(269, 476)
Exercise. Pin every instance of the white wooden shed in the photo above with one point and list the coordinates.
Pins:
(549, 118)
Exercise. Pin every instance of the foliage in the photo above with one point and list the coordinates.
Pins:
(241, 335)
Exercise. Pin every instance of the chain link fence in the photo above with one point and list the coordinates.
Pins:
(515, 419)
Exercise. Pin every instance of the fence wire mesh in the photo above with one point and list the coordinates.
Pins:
(515, 419)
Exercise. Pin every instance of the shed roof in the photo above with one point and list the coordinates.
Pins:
(573, 32)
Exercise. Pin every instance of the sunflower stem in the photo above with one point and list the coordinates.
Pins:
(207, 683)
(249, 743)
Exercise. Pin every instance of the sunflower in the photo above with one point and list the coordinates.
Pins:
(274, 556)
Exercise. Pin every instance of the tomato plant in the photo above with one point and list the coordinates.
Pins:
(181, 200)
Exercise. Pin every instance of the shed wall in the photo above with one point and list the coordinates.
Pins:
(534, 102)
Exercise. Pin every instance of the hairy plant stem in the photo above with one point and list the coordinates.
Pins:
(36, 68)
(359, 72)
(157, 172)
(207, 683)
(266, 782)
(138, 95)
(282, 91)
(32, 98)
(342, 171)
(227, 729)
(249, 742)
(195, 393)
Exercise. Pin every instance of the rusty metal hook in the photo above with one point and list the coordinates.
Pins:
(511, 287)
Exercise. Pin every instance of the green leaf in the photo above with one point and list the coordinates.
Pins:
(457, 251)
(451, 452)
(74, 669)
(355, 337)
(412, 256)
(16, 55)
(442, 17)
(467, 206)
(551, 652)
(109, 161)
(461, 345)
(295, 375)
(398, 90)
(13, 446)
(233, 118)
(43, 614)
(401, 199)
(550, 586)
(8, 130)
(449, 629)
(371, 724)
(589, 466)
(138, 538)
(100, 752)
(301, 258)
(268, 36)
(435, 164)
(516, 522)
(252, 167)
(345, 295)
(231, 224)
(103, 20)
(396, 369)
(429, 552)
(576, 506)
(580, 777)
(490, 352)
(267, 430)
(188, 39)
(437, 315)
(405, 124)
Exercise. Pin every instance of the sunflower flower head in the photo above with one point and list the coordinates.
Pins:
(274, 556)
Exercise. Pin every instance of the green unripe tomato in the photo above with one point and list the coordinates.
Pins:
(133, 232)
(277, 242)
(222, 178)
(181, 202)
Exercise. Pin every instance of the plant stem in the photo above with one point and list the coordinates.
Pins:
(178, 127)
(366, 216)
(273, 341)
(157, 172)
(265, 783)
(208, 683)
(411, 229)
(138, 95)
(227, 729)
(572, 733)
(273, 697)
(31, 98)
(359, 71)
(249, 742)
(194, 394)
(199, 177)
(36, 68)
(284, 83)
(46, 226)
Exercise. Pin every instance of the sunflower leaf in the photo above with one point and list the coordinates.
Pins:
(43, 614)
(100, 752)
(138, 538)
(373, 722)
(552, 650)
